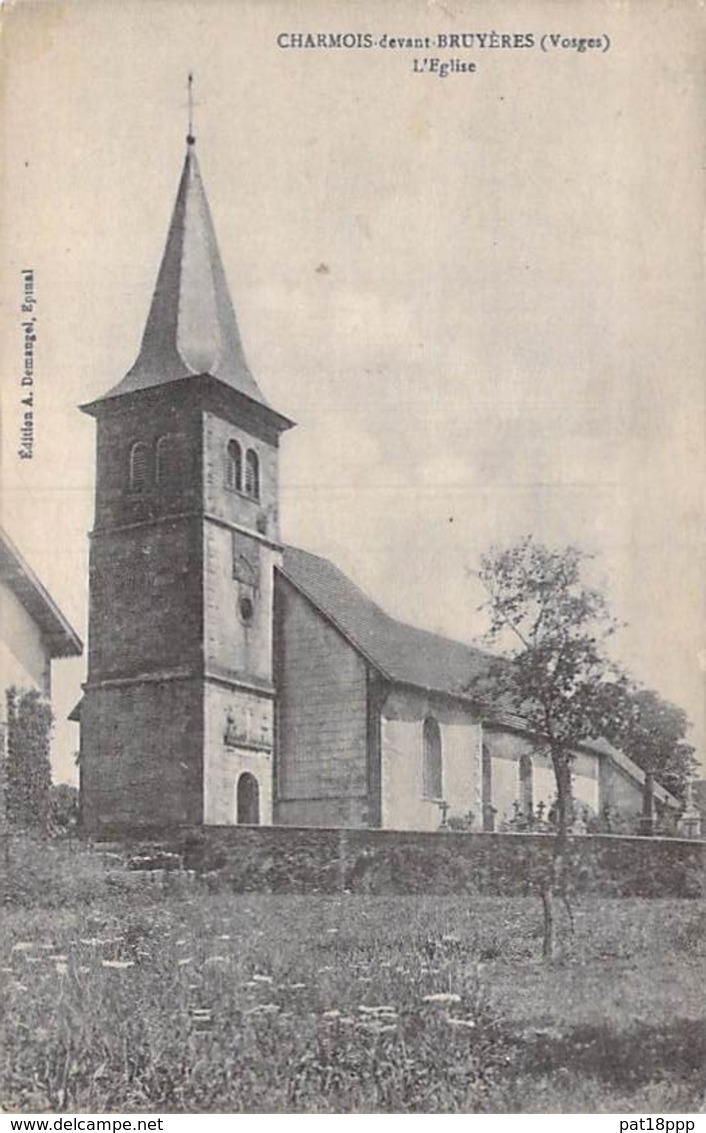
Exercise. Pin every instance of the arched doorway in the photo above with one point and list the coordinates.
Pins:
(247, 801)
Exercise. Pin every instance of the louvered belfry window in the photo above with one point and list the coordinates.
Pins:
(234, 467)
(252, 474)
(138, 467)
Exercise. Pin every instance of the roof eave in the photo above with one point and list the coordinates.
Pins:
(336, 625)
(110, 400)
(58, 634)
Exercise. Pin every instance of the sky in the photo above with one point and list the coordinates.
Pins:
(480, 296)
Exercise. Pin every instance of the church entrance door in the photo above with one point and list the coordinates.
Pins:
(248, 801)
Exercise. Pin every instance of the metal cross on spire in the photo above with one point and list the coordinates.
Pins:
(190, 138)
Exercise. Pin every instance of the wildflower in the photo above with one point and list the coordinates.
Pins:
(202, 1018)
(117, 963)
(263, 1009)
(375, 1025)
(442, 997)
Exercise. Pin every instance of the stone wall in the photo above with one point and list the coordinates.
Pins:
(235, 647)
(227, 504)
(141, 753)
(146, 607)
(238, 739)
(146, 418)
(322, 719)
(287, 859)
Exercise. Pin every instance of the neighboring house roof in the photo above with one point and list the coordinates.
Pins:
(60, 638)
(407, 655)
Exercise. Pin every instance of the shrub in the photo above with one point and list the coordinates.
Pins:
(50, 873)
(27, 766)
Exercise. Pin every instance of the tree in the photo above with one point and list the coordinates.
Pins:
(63, 806)
(555, 670)
(652, 732)
(28, 767)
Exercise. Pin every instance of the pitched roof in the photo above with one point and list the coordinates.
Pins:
(61, 639)
(631, 769)
(412, 656)
(191, 327)
(399, 651)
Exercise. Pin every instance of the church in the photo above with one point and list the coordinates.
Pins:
(233, 679)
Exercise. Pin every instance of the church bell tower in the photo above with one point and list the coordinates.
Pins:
(177, 718)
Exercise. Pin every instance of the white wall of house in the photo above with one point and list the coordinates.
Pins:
(24, 659)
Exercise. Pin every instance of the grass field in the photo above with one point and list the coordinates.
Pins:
(138, 1000)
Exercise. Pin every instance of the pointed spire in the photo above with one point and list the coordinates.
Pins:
(191, 326)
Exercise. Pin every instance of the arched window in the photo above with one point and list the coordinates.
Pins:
(168, 459)
(252, 474)
(247, 805)
(526, 802)
(433, 777)
(234, 467)
(487, 787)
(138, 467)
